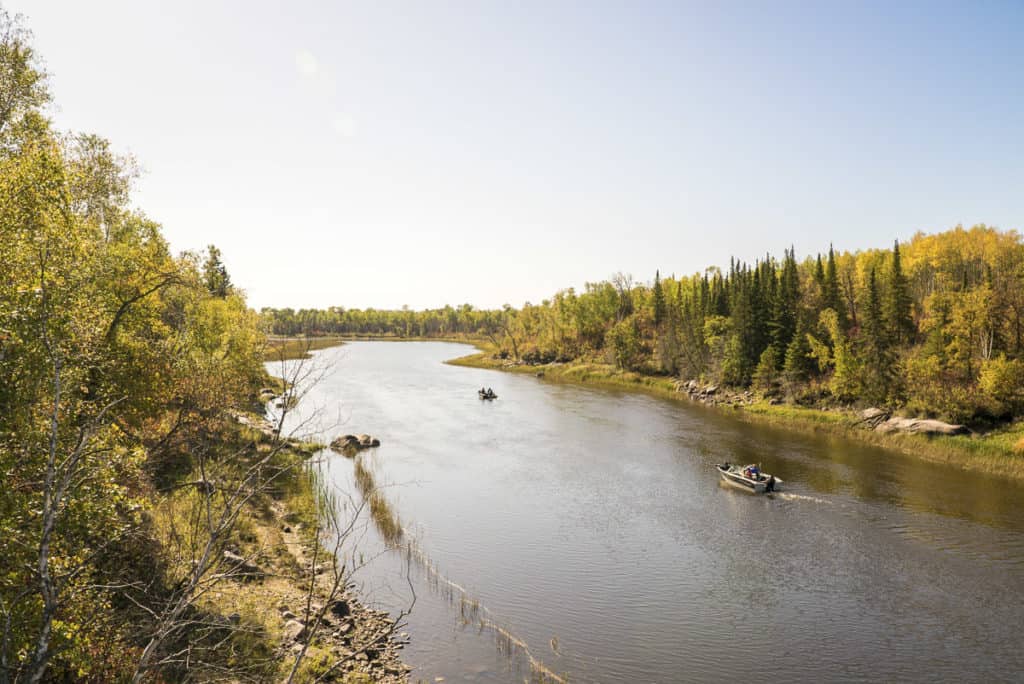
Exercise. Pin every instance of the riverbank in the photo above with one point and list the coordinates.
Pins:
(998, 452)
(287, 598)
(307, 604)
(291, 348)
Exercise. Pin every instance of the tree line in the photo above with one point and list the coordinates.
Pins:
(934, 325)
(120, 365)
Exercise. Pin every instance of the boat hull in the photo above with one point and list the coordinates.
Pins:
(735, 477)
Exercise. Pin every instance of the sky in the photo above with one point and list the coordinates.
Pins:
(381, 154)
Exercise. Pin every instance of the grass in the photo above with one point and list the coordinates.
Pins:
(383, 515)
(995, 452)
(178, 528)
(999, 452)
(578, 372)
(288, 348)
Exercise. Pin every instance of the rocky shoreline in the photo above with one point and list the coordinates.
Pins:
(337, 635)
(348, 636)
(715, 395)
(876, 419)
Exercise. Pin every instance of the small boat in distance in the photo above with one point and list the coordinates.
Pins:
(486, 393)
(748, 477)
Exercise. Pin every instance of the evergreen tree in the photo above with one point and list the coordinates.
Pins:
(784, 310)
(798, 365)
(897, 304)
(877, 361)
(832, 298)
(215, 274)
(819, 274)
(658, 297)
(874, 328)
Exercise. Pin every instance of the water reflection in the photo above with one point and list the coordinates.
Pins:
(591, 527)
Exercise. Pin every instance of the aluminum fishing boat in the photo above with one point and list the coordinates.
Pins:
(748, 477)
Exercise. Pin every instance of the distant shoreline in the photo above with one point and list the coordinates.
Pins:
(288, 348)
(991, 453)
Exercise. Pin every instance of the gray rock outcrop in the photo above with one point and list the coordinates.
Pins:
(354, 442)
(919, 426)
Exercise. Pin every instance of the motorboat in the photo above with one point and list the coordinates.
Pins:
(748, 477)
(487, 394)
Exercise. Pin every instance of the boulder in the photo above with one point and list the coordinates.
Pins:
(354, 442)
(341, 609)
(920, 427)
(241, 567)
(294, 630)
(366, 441)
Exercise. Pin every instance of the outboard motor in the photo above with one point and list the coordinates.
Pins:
(770, 487)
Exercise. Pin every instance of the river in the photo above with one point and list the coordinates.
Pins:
(590, 528)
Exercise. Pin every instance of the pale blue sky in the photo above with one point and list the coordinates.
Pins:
(424, 153)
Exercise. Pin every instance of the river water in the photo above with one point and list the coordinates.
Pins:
(587, 529)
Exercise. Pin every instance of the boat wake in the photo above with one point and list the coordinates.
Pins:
(787, 496)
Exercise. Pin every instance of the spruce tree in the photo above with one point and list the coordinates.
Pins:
(215, 274)
(875, 348)
(798, 365)
(784, 310)
(833, 299)
(659, 299)
(897, 304)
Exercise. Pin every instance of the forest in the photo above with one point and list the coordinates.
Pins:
(126, 479)
(932, 326)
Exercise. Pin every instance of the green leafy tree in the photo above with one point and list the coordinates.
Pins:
(1003, 380)
(766, 375)
(624, 344)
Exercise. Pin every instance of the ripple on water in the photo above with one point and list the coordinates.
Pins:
(596, 518)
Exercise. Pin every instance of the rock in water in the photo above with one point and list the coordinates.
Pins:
(354, 442)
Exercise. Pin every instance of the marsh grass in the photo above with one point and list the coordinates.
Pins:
(474, 613)
(471, 610)
(291, 348)
(383, 515)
